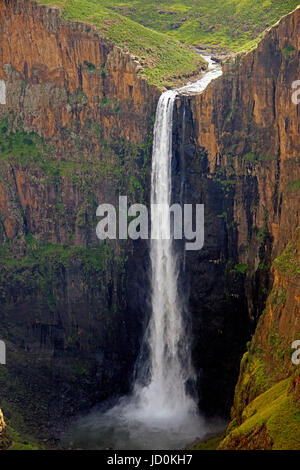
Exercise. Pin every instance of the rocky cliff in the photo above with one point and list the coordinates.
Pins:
(238, 143)
(76, 128)
(2, 431)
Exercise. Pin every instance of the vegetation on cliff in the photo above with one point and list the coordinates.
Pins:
(41, 280)
(266, 411)
(121, 163)
(164, 59)
(50, 192)
(230, 25)
(271, 421)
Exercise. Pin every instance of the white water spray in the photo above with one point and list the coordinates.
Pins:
(161, 414)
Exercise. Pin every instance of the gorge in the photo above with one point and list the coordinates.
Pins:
(76, 130)
(160, 414)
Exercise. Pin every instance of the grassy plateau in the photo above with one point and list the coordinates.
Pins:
(220, 24)
(160, 33)
(164, 59)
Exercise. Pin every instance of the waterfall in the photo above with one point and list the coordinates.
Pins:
(165, 397)
(170, 361)
(159, 414)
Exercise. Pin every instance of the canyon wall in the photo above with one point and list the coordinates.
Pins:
(76, 131)
(2, 431)
(238, 144)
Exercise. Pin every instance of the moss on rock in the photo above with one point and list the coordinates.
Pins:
(273, 418)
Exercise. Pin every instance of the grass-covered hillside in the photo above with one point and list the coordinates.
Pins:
(154, 30)
(165, 61)
(271, 421)
(221, 24)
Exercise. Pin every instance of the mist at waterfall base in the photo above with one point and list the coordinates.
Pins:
(160, 414)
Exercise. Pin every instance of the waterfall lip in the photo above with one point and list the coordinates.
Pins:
(213, 72)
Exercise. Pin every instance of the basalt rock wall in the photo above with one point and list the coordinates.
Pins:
(76, 130)
(237, 144)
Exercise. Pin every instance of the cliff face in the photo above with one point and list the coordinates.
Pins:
(61, 59)
(81, 96)
(76, 130)
(2, 427)
(239, 147)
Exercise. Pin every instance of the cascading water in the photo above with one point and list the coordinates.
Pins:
(165, 397)
(161, 414)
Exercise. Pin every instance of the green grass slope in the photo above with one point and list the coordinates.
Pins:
(165, 61)
(220, 24)
(271, 421)
(154, 30)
